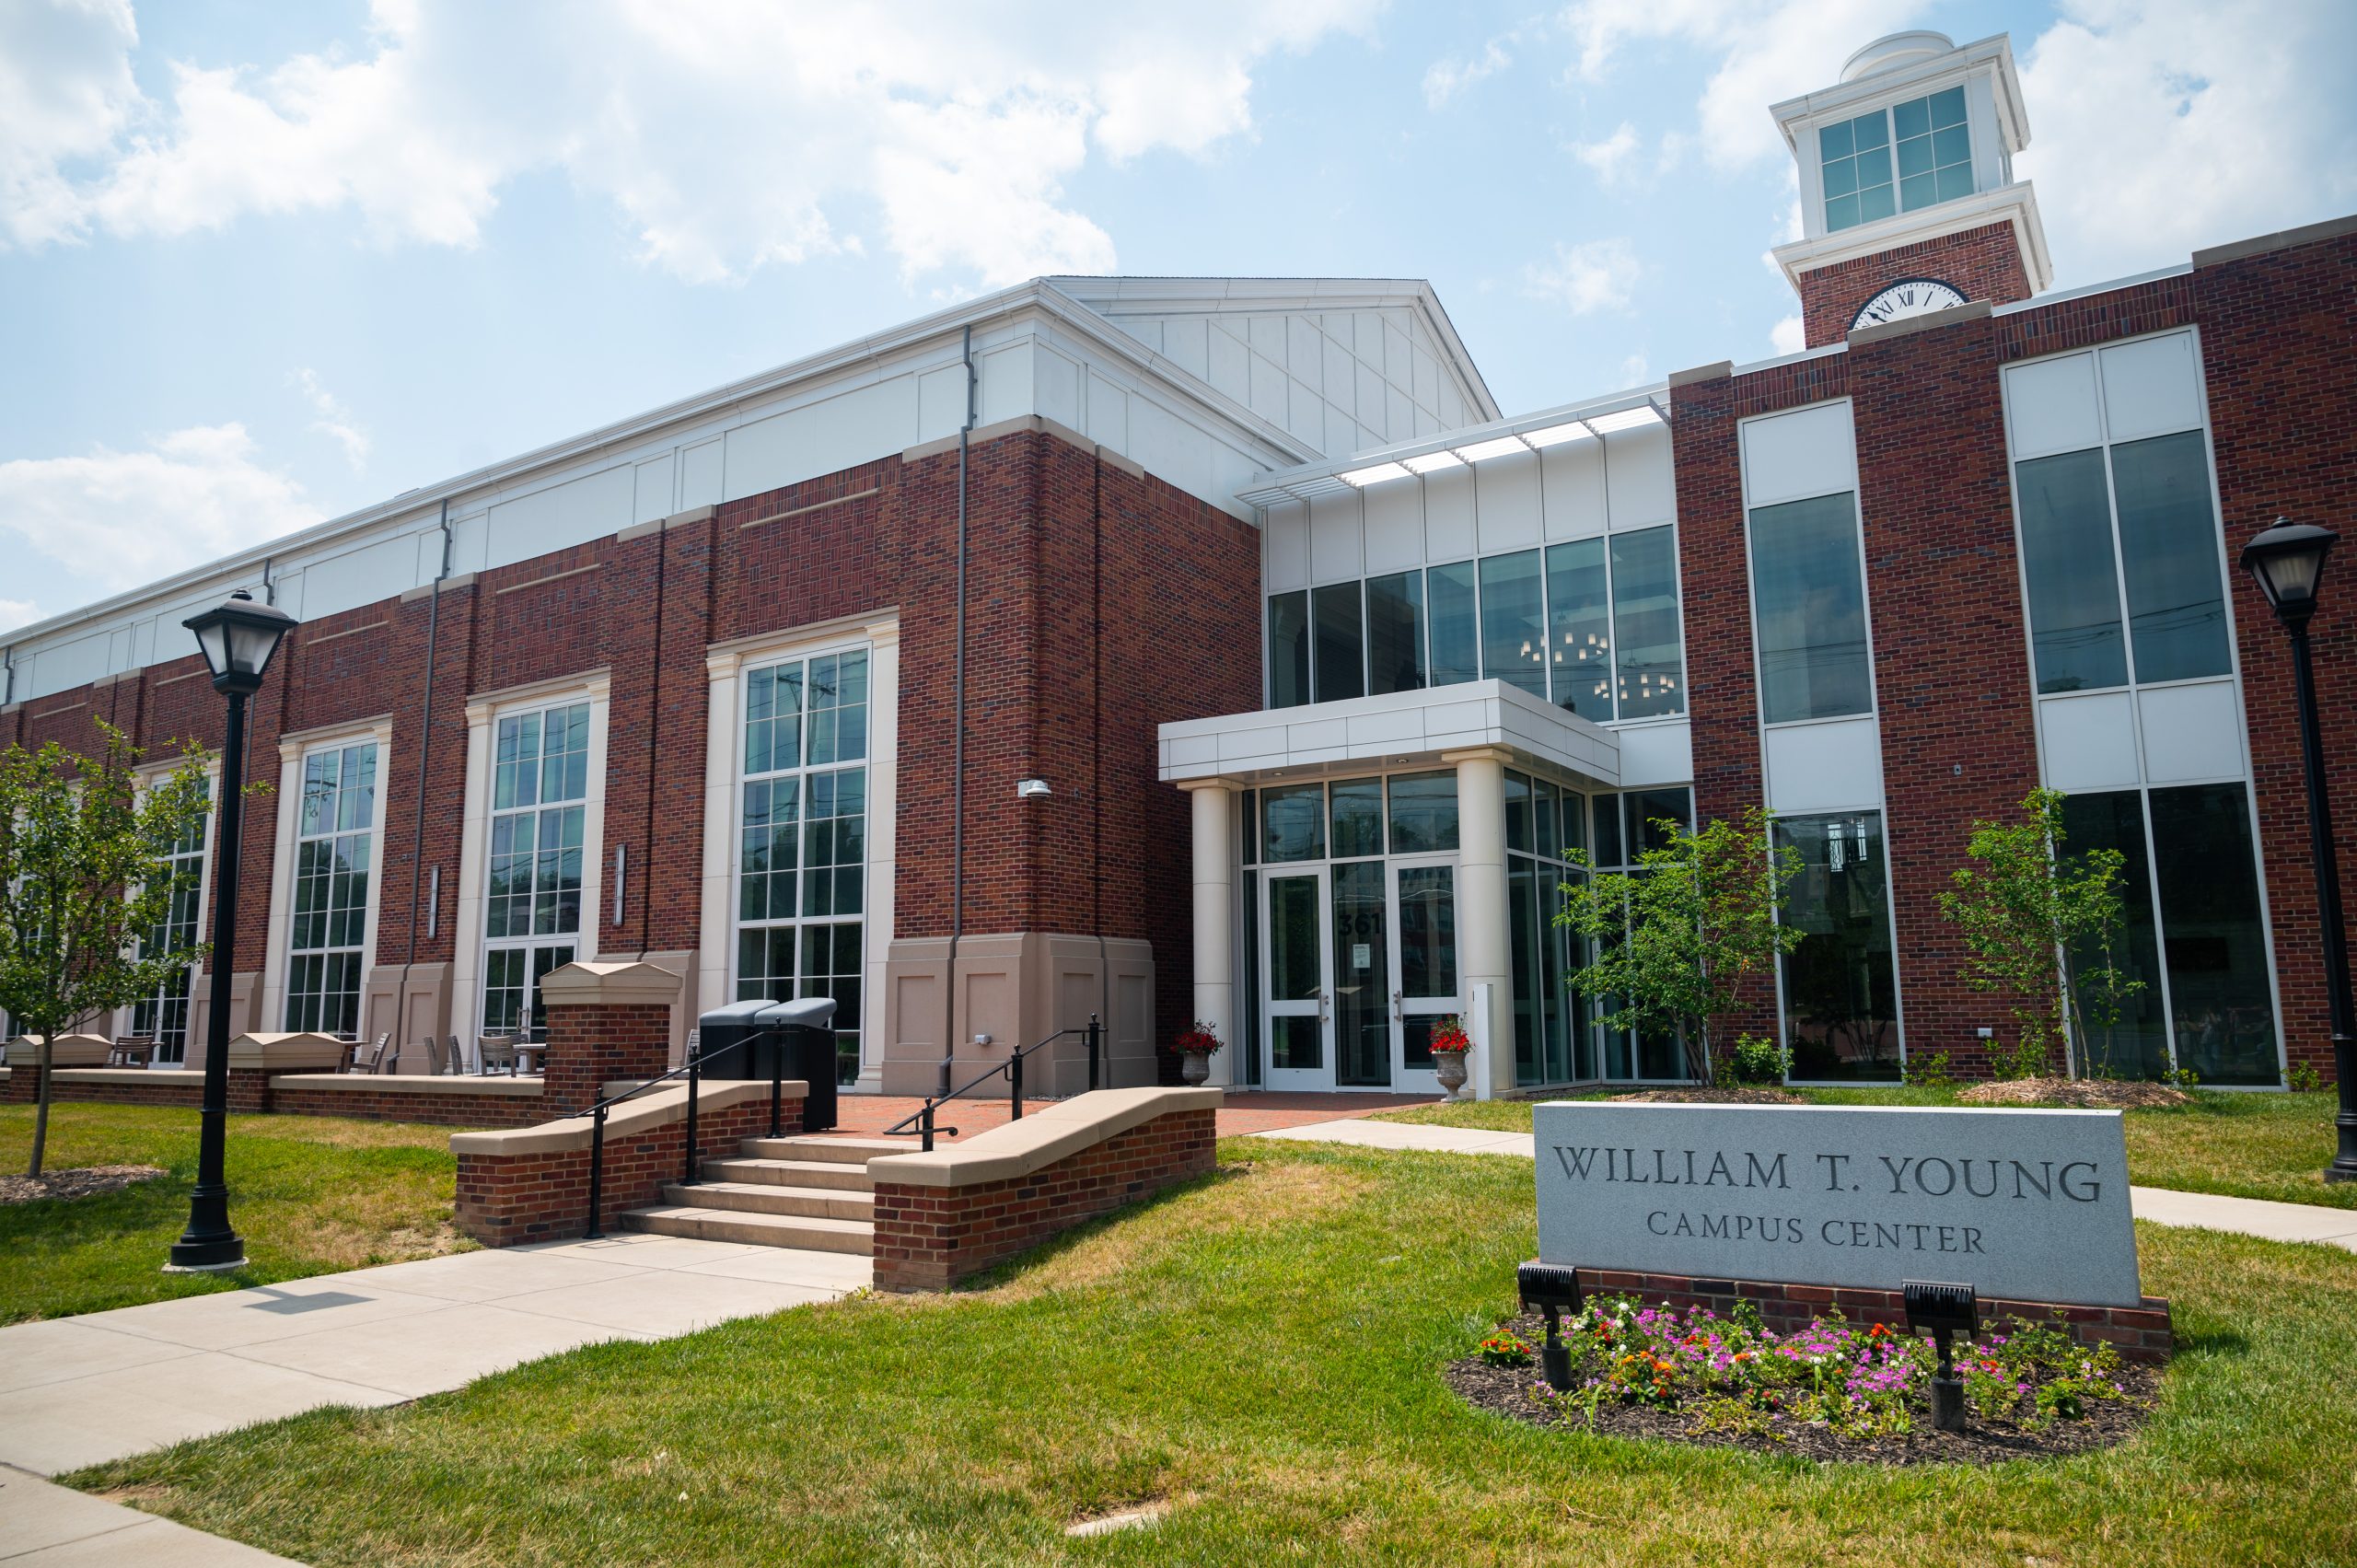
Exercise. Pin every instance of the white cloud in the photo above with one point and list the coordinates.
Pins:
(66, 95)
(1611, 160)
(1443, 79)
(1636, 370)
(1769, 51)
(1596, 274)
(729, 136)
(335, 421)
(1789, 335)
(15, 612)
(122, 518)
(2164, 126)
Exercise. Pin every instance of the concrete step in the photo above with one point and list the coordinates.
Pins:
(767, 1198)
(812, 1234)
(843, 1150)
(831, 1174)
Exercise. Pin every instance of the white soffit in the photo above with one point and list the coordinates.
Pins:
(1643, 408)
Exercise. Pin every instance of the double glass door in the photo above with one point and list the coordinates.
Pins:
(1360, 960)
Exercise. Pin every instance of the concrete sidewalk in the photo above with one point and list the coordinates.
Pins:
(77, 1391)
(46, 1525)
(2248, 1217)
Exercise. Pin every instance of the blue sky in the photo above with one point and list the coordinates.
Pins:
(261, 264)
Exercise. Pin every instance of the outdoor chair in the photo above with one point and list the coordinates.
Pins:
(458, 1058)
(381, 1055)
(498, 1053)
(131, 1050)
(344, 1062)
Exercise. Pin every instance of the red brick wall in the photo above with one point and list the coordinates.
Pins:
(2140, 1333)
(507, 1200)
(932, 1237)
(250, 1091)
(1952, 679)
(1100, 605)
(2277, 331)
(589, 1047)
(1985, 263)
(451, 1109)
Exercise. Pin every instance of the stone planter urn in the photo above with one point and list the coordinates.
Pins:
(1195, 1066)
(1449, 1067)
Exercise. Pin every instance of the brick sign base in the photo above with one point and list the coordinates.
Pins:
(931, 1237)
(2138, 1334)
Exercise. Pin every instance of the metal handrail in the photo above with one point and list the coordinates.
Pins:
(693, 1067)
(1013, 1067)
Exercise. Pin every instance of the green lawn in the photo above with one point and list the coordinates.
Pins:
(310, 1195)
(2244, 1145)
(1261, 1351)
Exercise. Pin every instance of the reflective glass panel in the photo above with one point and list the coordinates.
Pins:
(1342, 651)
(1808, 604)
(1357, 810)
(2169, 554)
(1292, 823)
(2135, 1042)
(1840, 990)
(1514, 627)
(1579, 629)
(1644, 621)
(1394, 633)
(1362, 976)
(1424, 813)
(2214, 941)
(1455, 634)
(1288, 649)
(2073, 585)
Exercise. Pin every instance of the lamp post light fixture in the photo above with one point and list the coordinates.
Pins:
(2288, 561)
(237, 637)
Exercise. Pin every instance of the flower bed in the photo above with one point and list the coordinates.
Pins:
(1835, 1389)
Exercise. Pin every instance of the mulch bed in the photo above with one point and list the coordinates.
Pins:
(85, 1182)
(1715, 1097)
(1506, 1390)
(2078, 1094)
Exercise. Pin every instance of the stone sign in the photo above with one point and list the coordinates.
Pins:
(2025, 1205)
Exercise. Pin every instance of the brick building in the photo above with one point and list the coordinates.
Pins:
(1217, 648)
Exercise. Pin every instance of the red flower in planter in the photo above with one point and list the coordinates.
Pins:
(1197, 1039)
(1448, 1034)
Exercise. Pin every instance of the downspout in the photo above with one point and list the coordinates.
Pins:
(1097, 749)
(958, 705)
(424, 777)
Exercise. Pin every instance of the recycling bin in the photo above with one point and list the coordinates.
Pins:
(741, 1040)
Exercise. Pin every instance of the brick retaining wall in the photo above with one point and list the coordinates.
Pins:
(2139, 1334)
(450, 1108)
(543, 1195)
(932, 1237)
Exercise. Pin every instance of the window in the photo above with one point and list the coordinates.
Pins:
(1394, 633)
(1651, 665)
(162, 1014)
(2135, 1044)
(2120, 557)
(1579, 627)
(1592, 624)
(1341, 649)
(1288, 650)
(1424, 813)
(1808, 604)
(1514, 621)
(802, 859)
(1293, 823)
(539, 782)
(1456, 643)
(2213, 942)
(1933, 159)
(334, 859)
(1841, 991)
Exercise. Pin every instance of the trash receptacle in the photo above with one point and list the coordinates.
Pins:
(740, 1039)
(805, 1029)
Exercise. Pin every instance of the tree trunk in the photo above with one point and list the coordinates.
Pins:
(40, 1107)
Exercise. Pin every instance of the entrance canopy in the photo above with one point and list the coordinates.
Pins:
(1401, 730)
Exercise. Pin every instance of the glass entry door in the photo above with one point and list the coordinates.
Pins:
(1298, 1026)
(1424, 968)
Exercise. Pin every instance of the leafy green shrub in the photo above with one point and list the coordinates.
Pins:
(1932, 1075)
(1756, 1061)
(2302, 1077)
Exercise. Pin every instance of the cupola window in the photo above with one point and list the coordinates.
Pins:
(1932, 160)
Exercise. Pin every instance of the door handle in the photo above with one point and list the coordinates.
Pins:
(1394, 1007)
(1321, 1006)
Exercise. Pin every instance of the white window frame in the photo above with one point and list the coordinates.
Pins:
(125, 1019)
(725, 666)
(292, 751)
(484, 712)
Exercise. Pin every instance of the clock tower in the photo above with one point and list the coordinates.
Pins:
(1909, 202)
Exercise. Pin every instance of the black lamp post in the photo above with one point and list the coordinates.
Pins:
(2288, 561)
(238, 637)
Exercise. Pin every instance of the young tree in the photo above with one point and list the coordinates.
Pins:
(84, 882)
(1675, 940)
(2043, 927)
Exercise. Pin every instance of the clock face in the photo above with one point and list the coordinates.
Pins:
(1909, 297)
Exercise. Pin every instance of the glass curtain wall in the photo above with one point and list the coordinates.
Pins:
(802, 862)
(532, 912)
(1841, 988)
(1622, 827)
(1552, 1042)
(1809, 611)
(1591, 625)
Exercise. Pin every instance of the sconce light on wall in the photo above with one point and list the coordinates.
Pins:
(1032, 789)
